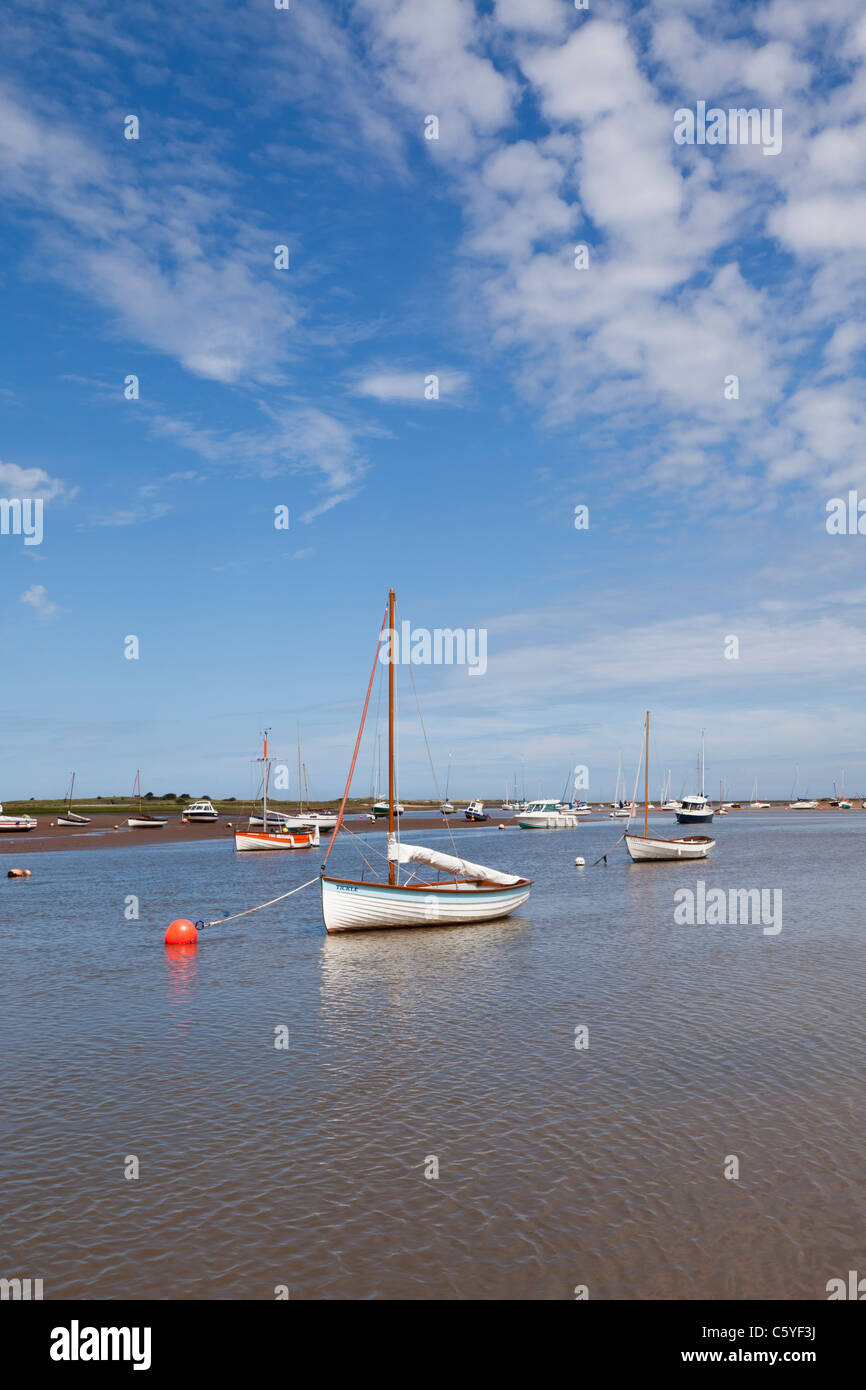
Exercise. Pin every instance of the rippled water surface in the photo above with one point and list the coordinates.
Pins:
(557, 1167)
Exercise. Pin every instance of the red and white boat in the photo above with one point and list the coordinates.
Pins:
(274, 834)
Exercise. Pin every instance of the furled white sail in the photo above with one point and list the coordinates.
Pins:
(419, 854)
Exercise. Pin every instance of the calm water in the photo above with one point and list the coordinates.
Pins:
(557, 1167)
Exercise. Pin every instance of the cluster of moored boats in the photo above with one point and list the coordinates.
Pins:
(470, 893)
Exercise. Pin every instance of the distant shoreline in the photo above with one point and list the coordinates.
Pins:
(108, 830)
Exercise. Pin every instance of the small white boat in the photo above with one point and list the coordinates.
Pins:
(325, 820)
(144, 821)
(16, 822)
(379, 810)
(69, 816)
(278, 831)
(755, 804)
(446, 807)
(620, 812)
(547, 815)
(482, 896)
(644, 848)
(475, 811)
(279, 820)
(798, 802)
(474, 894)
(200, 811)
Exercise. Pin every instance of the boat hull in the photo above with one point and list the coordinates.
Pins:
(266, 840)
(73, 820)
(548, 820)
(644, 848)
(136, 823)
(16, 823)
(352, 906)
(695, 817)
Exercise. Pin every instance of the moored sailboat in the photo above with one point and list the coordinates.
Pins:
(69, 816)
(646, 847)
(144, 820)
(276, 832)
(472, 894)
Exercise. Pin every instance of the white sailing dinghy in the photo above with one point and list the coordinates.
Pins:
(652, 847)
(474, 894)
(69, 816)
(144, 821)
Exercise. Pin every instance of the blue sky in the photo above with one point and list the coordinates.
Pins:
(304, 387)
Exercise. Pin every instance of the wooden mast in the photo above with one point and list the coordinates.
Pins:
(265, 783)
(391, 869)
(646, 782)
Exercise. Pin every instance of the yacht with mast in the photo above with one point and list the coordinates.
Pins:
(471, 894)
(276, 831)
(696, 808)
(446, 808)
(144, 820)
(69, 816)
(647, 847)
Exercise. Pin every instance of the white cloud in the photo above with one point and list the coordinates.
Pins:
(36, 597)
(410, 387)
(31, 482)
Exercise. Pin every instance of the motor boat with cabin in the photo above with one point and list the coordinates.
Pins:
(9, 822)
(547, 815)
(200, 811)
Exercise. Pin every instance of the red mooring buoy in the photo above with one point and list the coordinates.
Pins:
(181, 933)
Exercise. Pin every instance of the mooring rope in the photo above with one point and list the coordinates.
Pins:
(219, 921)
(609, 851)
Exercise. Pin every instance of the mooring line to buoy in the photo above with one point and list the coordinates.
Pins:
(609, 851)
(219, 921)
